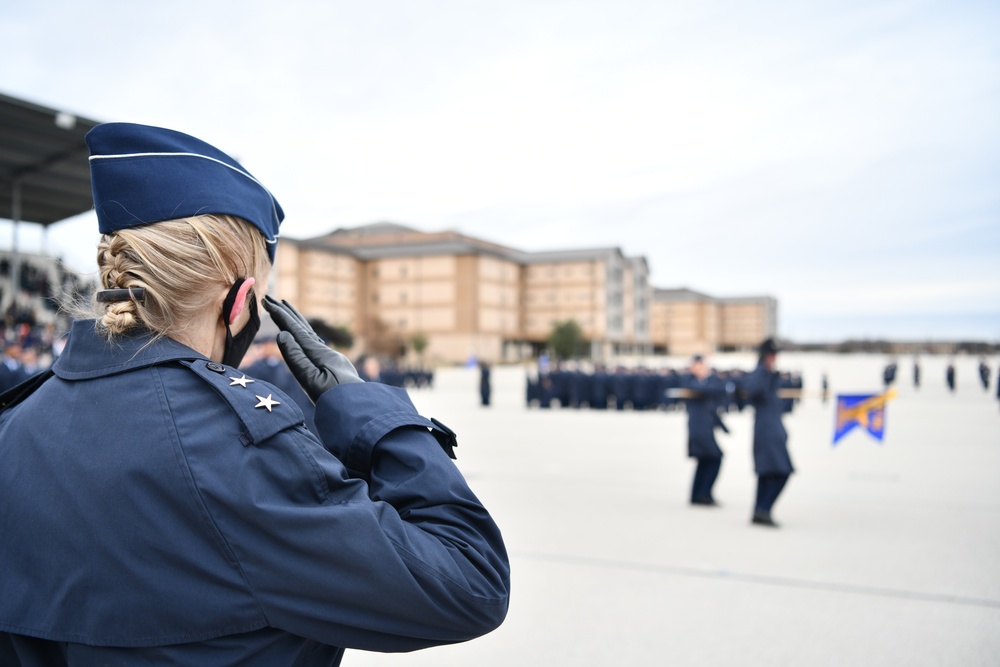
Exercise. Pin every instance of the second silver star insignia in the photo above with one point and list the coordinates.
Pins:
(266, 402)
(243, 382)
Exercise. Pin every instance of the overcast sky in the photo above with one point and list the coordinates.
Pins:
(841, 156)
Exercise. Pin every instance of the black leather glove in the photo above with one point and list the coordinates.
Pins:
(314, 365)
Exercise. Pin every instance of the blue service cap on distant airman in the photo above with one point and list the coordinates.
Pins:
(769, 346)
(141, 174)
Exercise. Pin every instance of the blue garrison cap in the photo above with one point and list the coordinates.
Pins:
(769, 346)
(141, 174)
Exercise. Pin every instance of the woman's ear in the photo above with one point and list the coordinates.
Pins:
(241, 300)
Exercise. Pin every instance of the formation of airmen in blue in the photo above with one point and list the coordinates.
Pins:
(638, 388)
(373, 369)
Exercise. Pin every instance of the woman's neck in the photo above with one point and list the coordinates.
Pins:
(206, 335)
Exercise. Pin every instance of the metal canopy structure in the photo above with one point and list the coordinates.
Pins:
(44, 172)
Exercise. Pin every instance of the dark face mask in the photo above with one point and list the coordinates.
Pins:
(237, 346)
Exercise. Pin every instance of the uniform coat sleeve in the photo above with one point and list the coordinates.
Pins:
(370, 539)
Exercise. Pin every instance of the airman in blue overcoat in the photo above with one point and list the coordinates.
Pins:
(484, 383)
(772, 462)
(162, 507)
(706, 391)
(12, 371)
(598, 389)
(621, 387)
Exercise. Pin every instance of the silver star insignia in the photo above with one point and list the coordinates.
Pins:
(266, 402)
(243, 382)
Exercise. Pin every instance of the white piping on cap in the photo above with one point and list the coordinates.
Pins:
(274, 208)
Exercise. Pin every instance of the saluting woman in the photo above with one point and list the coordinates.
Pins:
(161, 507)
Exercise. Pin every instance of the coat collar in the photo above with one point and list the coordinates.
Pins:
(89, 355)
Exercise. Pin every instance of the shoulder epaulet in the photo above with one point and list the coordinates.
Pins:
(263, 409)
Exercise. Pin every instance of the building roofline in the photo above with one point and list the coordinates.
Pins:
(680, 294)
(747, 299)
(389, 239)
(576, 254)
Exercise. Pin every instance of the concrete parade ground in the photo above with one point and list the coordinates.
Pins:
(887, 554)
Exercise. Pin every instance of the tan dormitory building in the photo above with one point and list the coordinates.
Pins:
(688, 322)
(472, 298)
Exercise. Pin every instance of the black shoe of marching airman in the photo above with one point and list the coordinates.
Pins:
(763, 519)
(708, 502)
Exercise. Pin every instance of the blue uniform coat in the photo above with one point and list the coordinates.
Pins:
(770, 440)
(151, 499)
(703, 416)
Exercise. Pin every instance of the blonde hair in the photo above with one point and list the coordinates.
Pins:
(181, 265)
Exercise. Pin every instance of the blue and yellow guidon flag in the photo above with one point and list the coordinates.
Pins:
(864, 410)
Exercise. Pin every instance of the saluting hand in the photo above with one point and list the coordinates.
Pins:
(317, 367)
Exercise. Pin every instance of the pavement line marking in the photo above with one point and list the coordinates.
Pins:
(707, 573)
